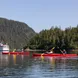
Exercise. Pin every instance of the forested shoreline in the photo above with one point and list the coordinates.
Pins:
(55, 37)
(20, 35)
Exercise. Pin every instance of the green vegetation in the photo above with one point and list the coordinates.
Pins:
(55, 37)
(19, 35)
(16, 34)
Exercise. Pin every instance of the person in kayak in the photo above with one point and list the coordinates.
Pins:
(51, 51)
(63, 51)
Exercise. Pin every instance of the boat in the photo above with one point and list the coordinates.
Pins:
(16, 53)
(55, 54)
(4, 48)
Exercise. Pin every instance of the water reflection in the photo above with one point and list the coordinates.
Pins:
(4, 60)
(58, 67)
(12, 60)
(20, 66)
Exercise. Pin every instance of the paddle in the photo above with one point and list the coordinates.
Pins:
(50, 51)
(62, 51)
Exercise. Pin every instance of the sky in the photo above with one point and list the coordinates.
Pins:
(41, 14)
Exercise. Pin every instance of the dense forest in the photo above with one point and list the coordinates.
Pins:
(55, 37)
(16, 34)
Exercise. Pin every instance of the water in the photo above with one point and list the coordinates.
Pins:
(21, 66)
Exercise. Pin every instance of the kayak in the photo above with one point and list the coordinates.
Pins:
(22, 53)
(55, 54)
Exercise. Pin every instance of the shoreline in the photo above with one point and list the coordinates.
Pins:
(34, 50)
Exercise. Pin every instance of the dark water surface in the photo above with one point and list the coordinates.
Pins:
(21, 66)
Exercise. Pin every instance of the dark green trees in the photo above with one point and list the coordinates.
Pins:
(16, 34)
(56, 37)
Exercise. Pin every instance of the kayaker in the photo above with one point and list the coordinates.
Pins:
(14, 50)
(63, 51)
(51, 51)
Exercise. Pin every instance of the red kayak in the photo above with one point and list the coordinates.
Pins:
(64, 55)
(22, 53)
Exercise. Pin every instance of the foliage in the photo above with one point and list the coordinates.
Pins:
(56, 37)
(16, 34)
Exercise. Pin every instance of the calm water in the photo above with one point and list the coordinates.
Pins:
(19, 66)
